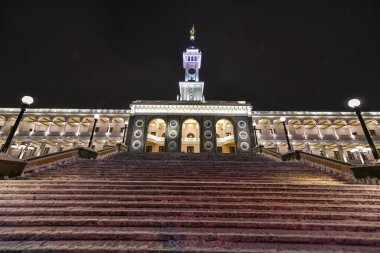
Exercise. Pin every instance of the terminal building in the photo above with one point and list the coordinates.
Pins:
(190, 123)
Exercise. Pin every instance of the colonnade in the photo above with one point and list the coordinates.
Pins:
(336, 135)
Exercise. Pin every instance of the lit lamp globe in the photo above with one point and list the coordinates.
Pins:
(354, 103)
(254, 124)
(282, 119)
(96, 116)
(28, 100)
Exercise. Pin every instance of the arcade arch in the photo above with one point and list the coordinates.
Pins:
(225, 136)
(155, 140)
(190, 136)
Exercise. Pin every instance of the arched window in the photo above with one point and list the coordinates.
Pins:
(190, 135)
(217, 136)
(163, 135)
(195, 58)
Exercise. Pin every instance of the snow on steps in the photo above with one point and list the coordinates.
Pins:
(136, 203)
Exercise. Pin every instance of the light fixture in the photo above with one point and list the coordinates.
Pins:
(96, 116)
(282, 119)
(353, 103)
(28, 100)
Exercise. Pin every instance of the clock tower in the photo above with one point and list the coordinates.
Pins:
(191, 89)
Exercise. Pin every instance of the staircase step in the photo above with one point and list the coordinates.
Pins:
(187, 203)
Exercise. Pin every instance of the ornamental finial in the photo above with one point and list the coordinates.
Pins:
(192, 32)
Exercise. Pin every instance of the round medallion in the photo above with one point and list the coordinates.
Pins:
(173, 134)
(208, 145)
(136, 144)
(191, 71)
(207, 123)
(172, 145)
(242, 124)
(173, 123)
(138, 133)
(243, 135)
(207, 134)
(139, 123)
(244, 145)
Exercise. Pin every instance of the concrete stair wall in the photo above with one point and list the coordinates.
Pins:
(187, 203)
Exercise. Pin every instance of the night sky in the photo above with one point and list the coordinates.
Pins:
(278, 55)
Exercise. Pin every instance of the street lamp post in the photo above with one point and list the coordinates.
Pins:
(354, 104)
(26, 102)
(96, 117)
(125, 131)
(254, 133)
(283, 120)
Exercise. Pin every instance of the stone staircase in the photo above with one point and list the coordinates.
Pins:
(187, 203)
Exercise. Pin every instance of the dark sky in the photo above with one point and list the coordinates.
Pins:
(278, 55)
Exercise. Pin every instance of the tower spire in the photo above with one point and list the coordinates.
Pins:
(192, 33)
(191, 89)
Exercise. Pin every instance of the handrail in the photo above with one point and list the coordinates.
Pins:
(270, 153)
(107, 152)
(312, 159)
(50, 159)
(339, 166)
(121, 147)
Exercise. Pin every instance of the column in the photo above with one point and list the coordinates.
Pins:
(307, 147)
(341, 152)
(22, 153)
(324, 150)
(42, 147)
(304, 132)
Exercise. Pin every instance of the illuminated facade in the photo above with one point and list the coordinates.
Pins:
(191, 124)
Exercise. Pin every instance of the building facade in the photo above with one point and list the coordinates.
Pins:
(191, 124)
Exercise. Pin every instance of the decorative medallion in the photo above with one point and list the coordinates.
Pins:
(244, 145)
(207, 134)
(138, 133)
(242, 124)
(207, 123)
(139, 123)
(136, 144)
(173, 123)
(173, 134)
(172, 145)
(243, 135)
(208, 145)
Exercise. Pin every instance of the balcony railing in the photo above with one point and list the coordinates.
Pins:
(225, 140)
(155, 139)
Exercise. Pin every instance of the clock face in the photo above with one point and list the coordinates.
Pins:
(191, 71)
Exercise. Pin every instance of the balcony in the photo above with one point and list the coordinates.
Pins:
(155, 139)
(225, 140)
(190, 141)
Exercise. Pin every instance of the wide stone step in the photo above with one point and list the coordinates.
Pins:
(192, 185)
(74, 246)
(188, 212)
(222, 195)
(166, 233)
(264, 206)
(188, 201)
(189, 222)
